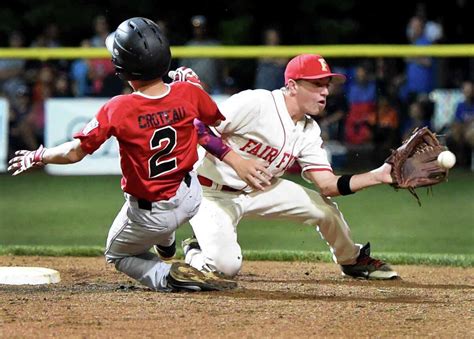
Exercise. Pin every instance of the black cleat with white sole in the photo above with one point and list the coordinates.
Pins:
(367, 267)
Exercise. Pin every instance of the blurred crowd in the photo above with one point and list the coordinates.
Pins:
(383, 100)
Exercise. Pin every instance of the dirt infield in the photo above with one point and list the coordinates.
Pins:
(274, 299)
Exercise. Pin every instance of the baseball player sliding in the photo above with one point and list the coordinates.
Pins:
(158, 148)
(276, 128)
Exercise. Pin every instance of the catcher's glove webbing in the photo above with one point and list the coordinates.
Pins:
(415, 162)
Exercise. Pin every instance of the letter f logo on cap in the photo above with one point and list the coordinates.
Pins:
(310, 67)
(324, 65)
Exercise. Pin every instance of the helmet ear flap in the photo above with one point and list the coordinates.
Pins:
(119, 71)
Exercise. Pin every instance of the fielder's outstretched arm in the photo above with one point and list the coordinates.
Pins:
(332, 185)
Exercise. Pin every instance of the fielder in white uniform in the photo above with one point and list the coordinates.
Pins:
(276, 127)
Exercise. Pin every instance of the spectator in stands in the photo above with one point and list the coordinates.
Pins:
(362, 98)
(175, 35)
(433, 29)
(48, 38)
(386, 73)
(419, 71)
(99, 70)
(11, 69)
(79, 74)
(62, 86)
(101, 31)
(89, 77)
(461, 133)
(270, 71)
(164, 27)
(209, 69)
(385, 129)
(419, 115)
(43, 89)
(21, 127)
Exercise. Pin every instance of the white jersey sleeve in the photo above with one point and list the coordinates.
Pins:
(313, 157)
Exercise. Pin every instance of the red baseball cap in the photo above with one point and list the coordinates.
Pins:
(310, 66)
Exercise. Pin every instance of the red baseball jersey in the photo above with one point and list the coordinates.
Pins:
(156, 135)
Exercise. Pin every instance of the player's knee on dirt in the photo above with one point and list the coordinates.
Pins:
(229, 266)
(228, 262)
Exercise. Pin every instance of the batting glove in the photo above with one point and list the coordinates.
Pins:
(24, 160)
(185, 74)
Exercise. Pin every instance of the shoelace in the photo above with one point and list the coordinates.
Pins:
(370, 261)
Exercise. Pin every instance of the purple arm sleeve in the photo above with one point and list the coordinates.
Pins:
(212, 143)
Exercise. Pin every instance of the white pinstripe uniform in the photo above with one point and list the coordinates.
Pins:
(258, 125)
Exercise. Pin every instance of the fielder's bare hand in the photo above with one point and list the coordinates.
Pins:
(24, 160)
(252, 171)
(383, 174)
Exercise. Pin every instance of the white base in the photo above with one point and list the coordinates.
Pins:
(28, 276)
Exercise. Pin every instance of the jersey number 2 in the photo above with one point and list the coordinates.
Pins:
(157, 167)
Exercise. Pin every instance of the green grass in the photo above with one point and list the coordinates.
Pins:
(76, 212)
(461, 260)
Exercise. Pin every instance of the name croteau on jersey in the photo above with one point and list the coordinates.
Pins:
(156, 136)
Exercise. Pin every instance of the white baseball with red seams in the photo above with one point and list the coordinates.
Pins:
(446, 159)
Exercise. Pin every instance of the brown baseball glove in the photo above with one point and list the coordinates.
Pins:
(415, 162)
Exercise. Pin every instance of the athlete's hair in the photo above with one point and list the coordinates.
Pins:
(139, 50)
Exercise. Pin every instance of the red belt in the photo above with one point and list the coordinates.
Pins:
(209, 183)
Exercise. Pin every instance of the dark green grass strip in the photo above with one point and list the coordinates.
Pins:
(458, 260)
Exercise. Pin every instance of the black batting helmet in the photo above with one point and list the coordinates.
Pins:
(139, 50)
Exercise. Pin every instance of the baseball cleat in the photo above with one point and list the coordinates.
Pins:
(183, 277)
(190, 244)
(165, 252)
(367, 267)
(221, 280)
